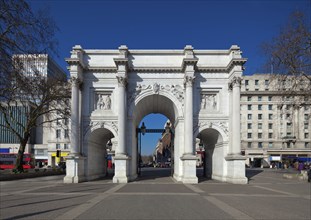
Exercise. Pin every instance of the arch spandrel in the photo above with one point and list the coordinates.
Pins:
(221, 127)
(95, 125)
(177, 99)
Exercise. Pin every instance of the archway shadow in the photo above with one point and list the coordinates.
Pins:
(155, 174)
(251, 173)
(201, 177)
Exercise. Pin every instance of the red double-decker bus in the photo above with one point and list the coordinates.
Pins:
(7, 161)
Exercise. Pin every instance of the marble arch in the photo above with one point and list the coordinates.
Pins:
(199, 90)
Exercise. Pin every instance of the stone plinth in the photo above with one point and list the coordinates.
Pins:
(121, 169)
(189, 169)
(74, 169)
(236, 169)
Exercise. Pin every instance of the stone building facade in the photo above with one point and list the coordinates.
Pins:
(273, 126)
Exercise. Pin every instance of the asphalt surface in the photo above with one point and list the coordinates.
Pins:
(155, 195)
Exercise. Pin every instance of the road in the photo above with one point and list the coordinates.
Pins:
(157, 196)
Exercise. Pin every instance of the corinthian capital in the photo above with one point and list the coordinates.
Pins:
(236, 81)
(75, 81)
(122, 81)
(188, 81)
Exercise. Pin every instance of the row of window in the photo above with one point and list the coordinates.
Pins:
(249, 107)
(270, 145)
(270, 125)
(66, 133)
(259, 135)
(58, 146)
(256, 82)
(250, 116)
(259, 98)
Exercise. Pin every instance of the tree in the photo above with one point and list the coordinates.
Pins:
(289, 56)
(27, 90)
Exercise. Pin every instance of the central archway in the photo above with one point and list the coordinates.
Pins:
(144, 105)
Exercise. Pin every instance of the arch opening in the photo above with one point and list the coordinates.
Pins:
(145, 108)
(100, 147)
(209, 150)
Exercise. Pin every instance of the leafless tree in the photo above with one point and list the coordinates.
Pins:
(26, 89)
(289, 57)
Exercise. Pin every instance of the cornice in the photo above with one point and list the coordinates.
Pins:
(156, 69)
(102, 69)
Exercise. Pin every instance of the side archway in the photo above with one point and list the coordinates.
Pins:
(215, 142)
(95, 146)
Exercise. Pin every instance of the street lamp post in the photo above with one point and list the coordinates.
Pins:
(201, 146)
(142, 130)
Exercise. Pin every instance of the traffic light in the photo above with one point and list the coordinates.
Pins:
(58, 153)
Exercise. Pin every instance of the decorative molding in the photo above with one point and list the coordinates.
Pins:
(235, 82)
(122, 81)
(100, 124)
(188, 81)
(175, 90)
(224, 126)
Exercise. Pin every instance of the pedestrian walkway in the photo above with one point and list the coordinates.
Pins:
(267, 196)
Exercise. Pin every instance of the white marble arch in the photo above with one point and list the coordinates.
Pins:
(140, 82)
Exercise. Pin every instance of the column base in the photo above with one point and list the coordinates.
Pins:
(189, 175)
(121, 163)
(236, 169)
(74, 169)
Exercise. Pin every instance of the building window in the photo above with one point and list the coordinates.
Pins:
(57, 146)
(57, 122)
(249, 126)
(246, 82)
(306, 108)
(249, 116)
(270, 107)
(66, 121)
(270, 135)
(306, 117)
(259, 135)
(306, 125)
(270, 125)
(256, 82)
(66, 146)
(66, 133)
(270, 116)
(259, 107)
(259, 125)
(307, 144)
(270, 145)
(270, 98)
(249, 98)
(287, 116)
(289, 133)
(249, 144)
(287, 107)
(259, 98)
(249, 107)
(306, 135)
(266, 82)
(249, 135)
(259, 144)
(289, 126)
(259, 116)
(58, 133)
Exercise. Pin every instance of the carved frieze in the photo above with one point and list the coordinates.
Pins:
(103, 102)
(175, 90)
(212, 124)
(208, 102)
(101, 124)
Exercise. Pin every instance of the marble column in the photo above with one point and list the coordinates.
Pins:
(189, 147)
(121, 149)
(236, 122)
(75, 134)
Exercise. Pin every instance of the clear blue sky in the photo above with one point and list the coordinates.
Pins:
(170, 24)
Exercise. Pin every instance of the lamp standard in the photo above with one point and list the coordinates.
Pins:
(142, 130)
(201, 146)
